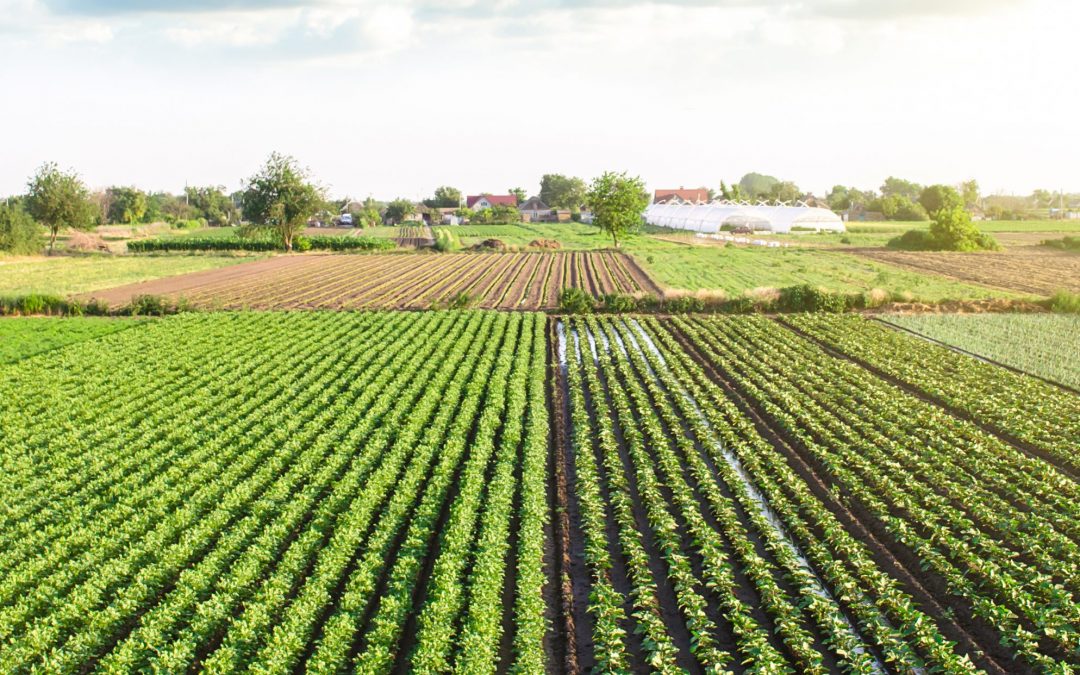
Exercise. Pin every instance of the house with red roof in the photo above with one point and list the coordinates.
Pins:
(478, 202)
(693, 196)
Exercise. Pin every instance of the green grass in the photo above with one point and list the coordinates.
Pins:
(1042, 344)
(572, 236)
(67, 275)
(23, 337)
(738, 269)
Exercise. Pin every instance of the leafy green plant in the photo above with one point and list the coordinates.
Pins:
(575, 301)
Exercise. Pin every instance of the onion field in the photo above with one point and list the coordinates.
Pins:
(490, 492)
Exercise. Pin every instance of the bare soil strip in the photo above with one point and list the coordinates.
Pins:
(1028, 269)
(527, 281)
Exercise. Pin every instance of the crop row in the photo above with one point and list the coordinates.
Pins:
(245, 503)
(995, 526)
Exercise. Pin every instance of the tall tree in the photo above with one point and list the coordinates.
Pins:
(58, 199)
(935, 198)
(785, 191)
(19, 233)
(757, 185)
(281, 197)
(212, 203)
(519, 193)
(562, 192)
(127, 205)
(969, 190)
(617, 202)
(899, 186)
(398, 210)
(446, 197)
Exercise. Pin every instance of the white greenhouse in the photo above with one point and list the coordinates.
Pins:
(714, 216)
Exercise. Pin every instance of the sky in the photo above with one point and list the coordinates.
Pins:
(394, 98)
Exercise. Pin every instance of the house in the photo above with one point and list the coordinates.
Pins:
(478, 202)
(534, 210)
(694, 196)
(447, 215)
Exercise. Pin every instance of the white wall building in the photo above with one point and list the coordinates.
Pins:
(762, 216)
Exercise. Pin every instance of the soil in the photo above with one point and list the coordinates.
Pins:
(386, 281)
(1027, 269)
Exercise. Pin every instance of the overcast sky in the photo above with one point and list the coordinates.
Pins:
(393, 98)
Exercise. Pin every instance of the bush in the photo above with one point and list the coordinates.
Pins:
(1065, 243)
(575, 301)
(619, 303)
(301, 243)
(807, 298)
(19, 234)
(685, 304)
(951, 230)
(460, 301)
(446, 241)
(190, 224)
(1065, 302)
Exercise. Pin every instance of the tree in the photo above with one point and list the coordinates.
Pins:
(212, 204)
(520, 194)
(899, 186)
(969, 190)
(934, 198)
(617, 202)
(952, 230)
(785, 191)
(398, 210)
(368, 215)
(167, 207)
(58, 199)
(281, 197)
(126, 205)
(446, 197)
(899, 207)
(734, 193)
(757, 185)
(562, 192)
(19, 234)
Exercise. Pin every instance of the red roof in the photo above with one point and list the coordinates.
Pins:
(695, 195)
(508, 200)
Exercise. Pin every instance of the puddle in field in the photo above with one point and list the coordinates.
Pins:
(761, 502)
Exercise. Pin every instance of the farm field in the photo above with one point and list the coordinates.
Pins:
(736, 270)
(413, 236)
(1046, 345)
(740, 496)
(66, 275)
(487, 280)
(420, 491)
(21, 337)
(572, 236)
(1028, 269)
(242, 502)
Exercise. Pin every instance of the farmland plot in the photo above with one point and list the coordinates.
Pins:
(976, 524)
(694, 546)
(489, 280)
(373, 500)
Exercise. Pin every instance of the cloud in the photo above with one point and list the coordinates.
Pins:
(118, 7)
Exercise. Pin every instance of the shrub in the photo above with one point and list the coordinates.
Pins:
(952, 230)
(684, 304)
(619, 302)
(1065, 243)
(255, 244)
(19, 234)
(807, 298)
(301, 243)
(446, 241)
(1065, 302)
(460, 301)
(575, 301)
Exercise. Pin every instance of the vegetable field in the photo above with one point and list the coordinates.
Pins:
(481, 492)
(741, 496)
(23, 337)
(1046, 345)
(486, 280)
(241, 502)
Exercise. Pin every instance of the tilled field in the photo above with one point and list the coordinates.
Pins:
(489, 280)
(1028, 269)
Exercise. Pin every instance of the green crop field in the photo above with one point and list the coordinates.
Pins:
(738, 269)
(1047, 345)
(65, 275)
(21, 337)
(484, 491)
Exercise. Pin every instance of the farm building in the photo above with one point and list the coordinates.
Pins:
(726, 215)
(477, 202)
(681, 196)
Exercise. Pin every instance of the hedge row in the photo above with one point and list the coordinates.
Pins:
(802, 298)
(237, 244)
